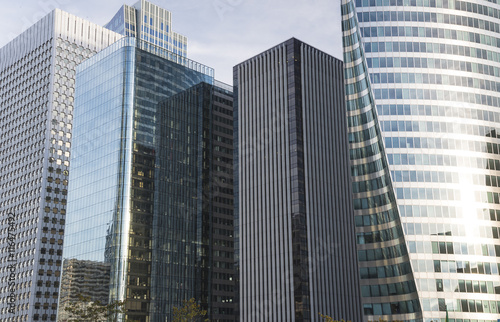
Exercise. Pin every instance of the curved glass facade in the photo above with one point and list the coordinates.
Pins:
(387, 283)
(434, 72)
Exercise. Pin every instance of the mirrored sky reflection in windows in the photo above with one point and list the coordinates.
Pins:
(434, 72)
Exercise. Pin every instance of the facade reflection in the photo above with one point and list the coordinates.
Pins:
(434, 76)
(149, 198)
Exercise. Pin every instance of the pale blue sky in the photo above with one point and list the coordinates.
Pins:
(221, 33)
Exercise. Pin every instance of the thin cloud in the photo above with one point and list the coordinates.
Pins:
(221, 33)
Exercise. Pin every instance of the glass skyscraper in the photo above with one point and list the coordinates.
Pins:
(151, 194)
(433, 68)
(37, 88)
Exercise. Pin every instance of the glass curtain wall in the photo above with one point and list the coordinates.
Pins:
(118, 210)
(388, 288)
(434, 71)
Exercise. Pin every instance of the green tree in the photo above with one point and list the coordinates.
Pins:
(326, 317)
(189, 312)
(84, 310)
(330, 319)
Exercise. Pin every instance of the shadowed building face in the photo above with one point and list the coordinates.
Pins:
(296, 226)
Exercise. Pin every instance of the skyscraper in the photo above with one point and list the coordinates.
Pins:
(150, 23)
(151, 194)
(434, 74)
(295, 229)
(36, 99)
(214, 103)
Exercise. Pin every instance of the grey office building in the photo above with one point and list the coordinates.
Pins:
(295, 229)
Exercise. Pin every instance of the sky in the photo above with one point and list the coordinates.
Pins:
(221, 33)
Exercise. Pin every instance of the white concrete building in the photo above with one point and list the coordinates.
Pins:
(37, 72)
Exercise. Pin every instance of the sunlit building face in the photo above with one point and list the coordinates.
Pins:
(433, 71)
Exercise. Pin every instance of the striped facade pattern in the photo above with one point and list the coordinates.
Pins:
(333, 275)
(376, 210)
(296, 250)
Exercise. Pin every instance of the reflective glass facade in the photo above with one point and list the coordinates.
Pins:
(196, 159)
(150, 23)
(151, 202)
(433, 68)
(385, 268)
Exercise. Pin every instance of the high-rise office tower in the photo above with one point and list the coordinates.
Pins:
(36, 114)
(434, 74)
(295, 231)
(216, 225)
(151, 191)
(150, 23)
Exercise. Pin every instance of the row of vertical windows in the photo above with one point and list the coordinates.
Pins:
(465, 249)
(360, 119)
(358, 103)
(434, 79)
(391, 308)
(388, 289)
(428, 193)
(430, 143)
(356, 87)
(435, 95)
(356, 71)
(374, 201)
(363, 135)
(385, 271)
(445, 212)
(365, 152)
(381, 16)
(379, 236)
(492, 181)
(429, 110)
(433, 63)
(447, 160)
(425, 176)
(444, 194)
(382, 253)
(376, 219)
(427, 32)
(444, 229)
(370, 185)
(431, 48)
(464, 305)
(366, 168)
(463, 267)
(433, 159)
(439, 127)
(460, 286)
(442, 144)
(437, 247)
(446, 4)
